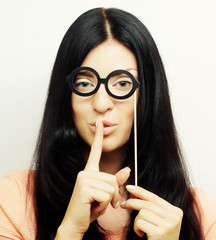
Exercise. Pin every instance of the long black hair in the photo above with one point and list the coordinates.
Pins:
(58, 158)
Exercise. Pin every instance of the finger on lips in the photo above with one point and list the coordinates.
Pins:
(93, 165)
(96, 149)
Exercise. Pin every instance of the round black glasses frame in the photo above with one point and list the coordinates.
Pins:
(71, 77)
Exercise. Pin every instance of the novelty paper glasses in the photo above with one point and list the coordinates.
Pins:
(119, 84)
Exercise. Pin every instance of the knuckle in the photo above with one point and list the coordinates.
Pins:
(138, 223)
(83, 179)
(112, 190)
(159, 233)
(106, 197)
(153, 198)
(142, 213)
(81, 174)
(178, 214)
(84, 191)
(113, 180)
(80, 178)
(167, 226)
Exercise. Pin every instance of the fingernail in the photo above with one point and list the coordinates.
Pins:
(130, 187)
(117, 204)
(122, 203)
(128, 169)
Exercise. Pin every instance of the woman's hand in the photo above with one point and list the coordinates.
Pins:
(157, 218)
(92, 193)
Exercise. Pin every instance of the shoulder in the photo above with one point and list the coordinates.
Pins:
(207, 208)
(16, 204)
(15, 183)
(20, 177)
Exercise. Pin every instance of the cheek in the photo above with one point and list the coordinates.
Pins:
(78, 106)
(77, 114)
(73, 106)
(129, 110)
(127, 117)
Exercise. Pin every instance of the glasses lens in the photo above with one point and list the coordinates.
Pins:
(85, 81)
(120, 84)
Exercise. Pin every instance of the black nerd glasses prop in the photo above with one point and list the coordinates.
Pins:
(91, 78)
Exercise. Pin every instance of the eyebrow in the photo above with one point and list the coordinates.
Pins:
(86, 74)
(134, 69)
(128, 69)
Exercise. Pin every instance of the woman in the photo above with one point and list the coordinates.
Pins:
(84, 179)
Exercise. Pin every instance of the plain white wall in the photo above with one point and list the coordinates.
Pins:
(30, 33)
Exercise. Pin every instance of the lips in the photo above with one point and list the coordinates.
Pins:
(109, 127)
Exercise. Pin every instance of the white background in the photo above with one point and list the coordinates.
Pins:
(185, 32)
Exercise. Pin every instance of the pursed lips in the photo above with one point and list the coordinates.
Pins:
(109, 127)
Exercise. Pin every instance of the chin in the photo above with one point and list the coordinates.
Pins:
(108, 149)
(112, 146)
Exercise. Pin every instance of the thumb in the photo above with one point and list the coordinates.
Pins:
(123, 175)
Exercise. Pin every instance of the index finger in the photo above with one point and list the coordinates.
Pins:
(96, 149)
(144, 194)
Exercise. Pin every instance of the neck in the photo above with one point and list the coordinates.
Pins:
(111, 162)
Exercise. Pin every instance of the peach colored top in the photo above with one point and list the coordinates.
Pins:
(17, 220)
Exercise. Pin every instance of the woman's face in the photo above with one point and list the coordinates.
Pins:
(117, 115)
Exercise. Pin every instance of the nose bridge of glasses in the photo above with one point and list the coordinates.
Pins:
(102, 98)
(103, 80)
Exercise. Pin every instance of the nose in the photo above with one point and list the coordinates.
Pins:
(102, 101)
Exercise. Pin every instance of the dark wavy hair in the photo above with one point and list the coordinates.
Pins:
(58, 157)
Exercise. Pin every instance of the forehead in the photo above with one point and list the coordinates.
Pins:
(109, 56)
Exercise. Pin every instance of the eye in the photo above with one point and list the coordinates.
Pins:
(122, 83)
(84, 84)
